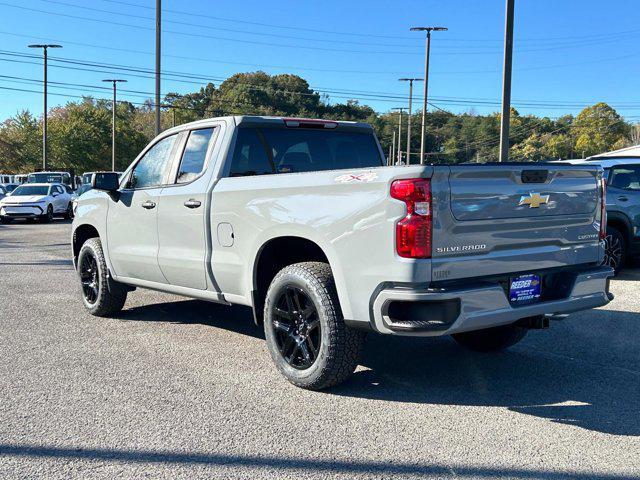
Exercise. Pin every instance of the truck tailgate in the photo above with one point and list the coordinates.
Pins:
(501, 219)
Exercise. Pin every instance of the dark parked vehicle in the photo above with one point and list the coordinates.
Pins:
(623, 214)
(623, 207)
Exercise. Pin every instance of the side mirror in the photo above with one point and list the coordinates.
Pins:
(107, 181)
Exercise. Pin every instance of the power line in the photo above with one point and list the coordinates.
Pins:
(497, 41)
(209, 27)
(329, 70)
(587, 41)
(336, 93)
(200, 36)
(208, 60)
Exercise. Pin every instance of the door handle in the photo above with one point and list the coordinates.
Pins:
(191, 203)
(622, 198)
(148, 205)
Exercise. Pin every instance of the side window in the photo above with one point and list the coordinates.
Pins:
(149, 171)
(195, 154)
(625, 177)
(250, 156)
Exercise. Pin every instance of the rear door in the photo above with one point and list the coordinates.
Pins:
(182, 213)
(132, 219)
(623, 189)
(496, 219)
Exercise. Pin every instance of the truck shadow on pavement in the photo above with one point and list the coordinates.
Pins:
(591, 391)
(281, 464)
(576, 373)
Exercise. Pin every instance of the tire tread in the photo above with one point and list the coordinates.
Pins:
(346, 344)
(112, 296)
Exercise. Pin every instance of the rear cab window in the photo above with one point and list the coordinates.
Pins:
(268, 150)
(194, 156)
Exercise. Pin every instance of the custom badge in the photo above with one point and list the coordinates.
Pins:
(356, 177)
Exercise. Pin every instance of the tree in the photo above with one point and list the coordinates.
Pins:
(20, 143)
(597, 129)
(558, 147)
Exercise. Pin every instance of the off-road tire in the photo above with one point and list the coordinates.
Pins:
(340, 346)
(491, 339)
(111, 296)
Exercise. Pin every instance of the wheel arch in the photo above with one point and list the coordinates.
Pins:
(622, 223)
(275, 254)
(81, 234)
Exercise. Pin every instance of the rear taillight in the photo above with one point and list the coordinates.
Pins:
(413, 232)
(603, 208)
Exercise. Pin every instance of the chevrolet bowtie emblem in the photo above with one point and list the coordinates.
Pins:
(534, 200)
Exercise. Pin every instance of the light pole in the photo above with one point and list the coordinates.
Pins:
(506, 83)
(410, 80)
(115, 81)
(426, 82)
(44, 48)
(158, 31)
(400, 109)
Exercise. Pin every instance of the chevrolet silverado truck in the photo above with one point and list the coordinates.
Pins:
(301, 220)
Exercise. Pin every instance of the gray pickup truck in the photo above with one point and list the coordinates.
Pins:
(301, 220)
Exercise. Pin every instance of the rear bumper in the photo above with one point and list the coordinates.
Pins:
(442, 311)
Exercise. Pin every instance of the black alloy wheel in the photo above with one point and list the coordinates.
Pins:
(89, 277)
(296, 327)
(614, 249)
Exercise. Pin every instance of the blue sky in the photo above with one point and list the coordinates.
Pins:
(567, 54)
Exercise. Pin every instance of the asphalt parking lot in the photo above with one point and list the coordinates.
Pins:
(180, 388)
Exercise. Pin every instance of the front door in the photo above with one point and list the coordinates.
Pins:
(59, 199)
(132, 219)
(182, 212)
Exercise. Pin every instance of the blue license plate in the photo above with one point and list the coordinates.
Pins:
(525, 288)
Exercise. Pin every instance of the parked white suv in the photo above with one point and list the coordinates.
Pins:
(37, 200)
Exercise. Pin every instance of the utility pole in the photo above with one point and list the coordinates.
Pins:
(410, 80)
(400, 110)
(115, 81)
(158, 31)
(426, 82)
(390, 157)
(506, 83)
(44, 48)
(394, 147)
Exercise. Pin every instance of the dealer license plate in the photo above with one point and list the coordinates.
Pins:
(525, 288)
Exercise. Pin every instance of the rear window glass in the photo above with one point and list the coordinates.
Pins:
(45, 178)
(194, 155)
(260, 151)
